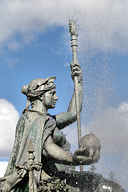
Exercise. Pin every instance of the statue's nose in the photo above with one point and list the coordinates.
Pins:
(56, 98)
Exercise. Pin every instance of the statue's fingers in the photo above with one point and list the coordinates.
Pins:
(75, 74)
(85, 160)
(76, 69)
(76, 66)
(78, 152)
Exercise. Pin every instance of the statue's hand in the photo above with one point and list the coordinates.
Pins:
(76, 71)
(82, 158)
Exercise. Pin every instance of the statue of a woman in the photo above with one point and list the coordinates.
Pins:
(38, 126)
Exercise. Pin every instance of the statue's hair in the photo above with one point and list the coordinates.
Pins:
(25, 89)
(37, 87)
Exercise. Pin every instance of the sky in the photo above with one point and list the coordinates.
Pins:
(35, 43)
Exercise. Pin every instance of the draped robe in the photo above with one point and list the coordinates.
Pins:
(35, 126)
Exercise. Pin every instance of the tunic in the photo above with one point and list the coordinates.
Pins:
(35, 126)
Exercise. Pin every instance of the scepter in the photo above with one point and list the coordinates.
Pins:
(74, 44)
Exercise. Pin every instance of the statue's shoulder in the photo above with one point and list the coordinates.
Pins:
(34, 115)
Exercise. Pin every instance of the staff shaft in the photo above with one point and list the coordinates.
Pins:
(74, 35)
(74, 55)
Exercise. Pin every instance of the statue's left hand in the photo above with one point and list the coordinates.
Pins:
(82, 159)
(76, 71)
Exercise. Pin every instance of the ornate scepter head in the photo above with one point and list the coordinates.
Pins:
(73, 28)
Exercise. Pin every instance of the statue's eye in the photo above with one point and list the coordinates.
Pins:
(51, 93)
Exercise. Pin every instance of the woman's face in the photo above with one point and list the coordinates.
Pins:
(50, 98)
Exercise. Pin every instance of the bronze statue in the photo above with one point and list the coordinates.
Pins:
(38, 126)
(37, 151)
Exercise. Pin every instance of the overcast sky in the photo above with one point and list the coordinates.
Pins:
(35, 43)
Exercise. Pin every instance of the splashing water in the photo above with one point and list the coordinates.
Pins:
(100, 116)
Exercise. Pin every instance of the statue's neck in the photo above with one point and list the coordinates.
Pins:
(38, 106)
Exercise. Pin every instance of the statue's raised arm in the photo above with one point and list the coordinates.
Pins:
(75, 105)
(66, 118)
